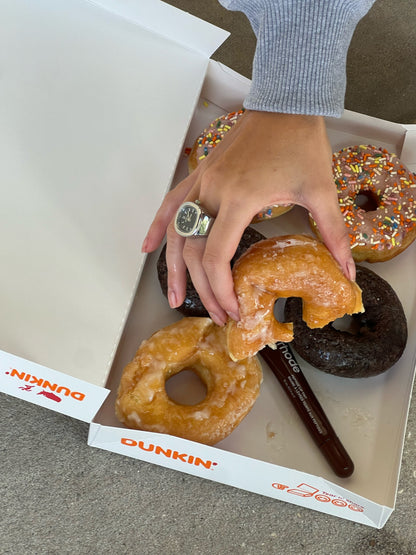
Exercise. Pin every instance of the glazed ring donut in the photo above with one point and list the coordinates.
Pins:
(374, 341)
(192, 305)
(288, 266)
(377, 197)
(193, 344)
(209, 139)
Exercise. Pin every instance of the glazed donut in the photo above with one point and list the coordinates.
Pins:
(373, 342)
(377, 197)
(193, 344)
(209, 139)
(288, 266)
(192, 305)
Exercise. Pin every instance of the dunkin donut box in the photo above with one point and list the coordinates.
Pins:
(100, 102)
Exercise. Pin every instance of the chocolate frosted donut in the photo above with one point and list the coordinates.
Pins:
(375, 340)
(192, 305)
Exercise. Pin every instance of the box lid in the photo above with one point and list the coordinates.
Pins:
(95, 101)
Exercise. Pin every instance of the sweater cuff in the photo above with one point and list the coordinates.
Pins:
(299, 65)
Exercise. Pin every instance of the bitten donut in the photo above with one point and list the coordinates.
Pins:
(287, 266)
(209, 139)
(373, 342)
(192, 305)
(377, 197)
(193, 344)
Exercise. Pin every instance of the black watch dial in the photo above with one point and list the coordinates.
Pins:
(187, 219)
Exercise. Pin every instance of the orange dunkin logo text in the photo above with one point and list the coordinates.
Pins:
(169, 453)
(33, 381)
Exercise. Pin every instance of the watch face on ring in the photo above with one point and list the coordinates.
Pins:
(187, 219)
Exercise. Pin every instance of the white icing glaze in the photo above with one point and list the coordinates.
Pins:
(197, 344)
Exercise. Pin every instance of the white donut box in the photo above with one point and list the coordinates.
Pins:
(99, 100)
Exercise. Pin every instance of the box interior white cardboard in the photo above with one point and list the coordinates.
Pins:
(94, 107)
(97, 103)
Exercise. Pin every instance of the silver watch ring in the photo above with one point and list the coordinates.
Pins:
(193, 220)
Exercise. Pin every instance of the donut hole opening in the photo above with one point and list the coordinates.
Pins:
(279, 310)
(367, 200)
(186, 387)
(347, 324)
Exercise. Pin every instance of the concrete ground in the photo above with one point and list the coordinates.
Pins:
(59, 496)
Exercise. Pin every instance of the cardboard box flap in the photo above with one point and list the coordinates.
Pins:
(168, 22)
(93, 113)
(54, 390)
(279, 482)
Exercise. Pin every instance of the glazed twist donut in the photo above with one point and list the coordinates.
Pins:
(377, 197)
(210, 137)
(288, 266)
(199, 345)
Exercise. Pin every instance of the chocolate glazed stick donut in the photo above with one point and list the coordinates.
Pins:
(284, 366)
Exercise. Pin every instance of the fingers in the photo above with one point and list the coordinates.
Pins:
(183, 254)
(194, 254)
(208, 262)
(176, 268)
(166, 213)
(331, 225)
(221, 245)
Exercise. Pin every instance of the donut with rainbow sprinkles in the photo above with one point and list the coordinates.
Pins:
(377, 197)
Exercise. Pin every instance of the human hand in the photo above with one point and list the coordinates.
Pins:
(265, 159)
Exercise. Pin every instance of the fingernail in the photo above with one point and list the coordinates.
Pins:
(216, 319)
(234, 316)
(172, 298)
(351, 270)
(145, 245)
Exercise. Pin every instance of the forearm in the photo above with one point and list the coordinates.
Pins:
(299, 65)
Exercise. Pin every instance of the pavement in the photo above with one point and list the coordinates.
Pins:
(59, 496)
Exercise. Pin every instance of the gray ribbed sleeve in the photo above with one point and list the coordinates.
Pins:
(299, 65)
